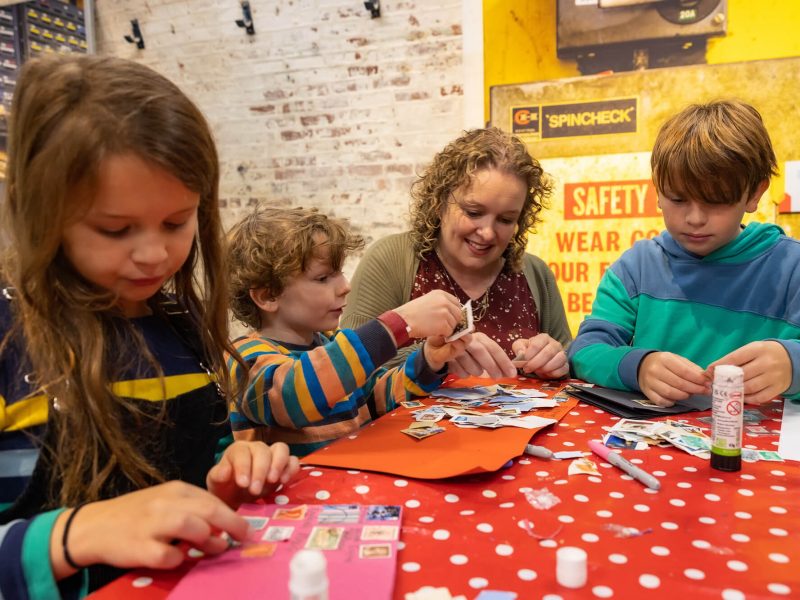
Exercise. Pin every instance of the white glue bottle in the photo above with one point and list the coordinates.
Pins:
(308, 576)
(726, 418)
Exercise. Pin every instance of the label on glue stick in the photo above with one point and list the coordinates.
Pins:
(726, 418)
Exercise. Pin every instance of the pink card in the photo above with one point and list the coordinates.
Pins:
(359, 543)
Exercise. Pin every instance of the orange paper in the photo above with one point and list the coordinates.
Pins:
(381, 447)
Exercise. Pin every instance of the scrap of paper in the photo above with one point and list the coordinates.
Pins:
(789, 443)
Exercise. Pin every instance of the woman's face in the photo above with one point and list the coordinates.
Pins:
(479, 222)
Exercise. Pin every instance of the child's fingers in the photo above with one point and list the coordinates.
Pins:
(240, 458)
(261, 467)
(291, 469)
(221, 472)
(280, 459)
(155, 554)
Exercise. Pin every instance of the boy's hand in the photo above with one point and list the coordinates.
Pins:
(767, 370)
(437, 352)
(666, 378)
(435, 313)
(483, 357)
(541, 355)
(249, 470)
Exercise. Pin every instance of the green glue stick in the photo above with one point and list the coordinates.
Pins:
(727, 408)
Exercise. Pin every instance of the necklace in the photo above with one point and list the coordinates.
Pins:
(480, 305)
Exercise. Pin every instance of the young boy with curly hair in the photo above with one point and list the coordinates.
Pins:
(708, 290)
(310, 383)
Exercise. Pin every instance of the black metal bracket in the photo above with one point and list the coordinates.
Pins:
(136, 35)
(247, 21)
(374, 8)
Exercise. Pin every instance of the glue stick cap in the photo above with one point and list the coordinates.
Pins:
(308, 576)
(571, 567)
(729, 374)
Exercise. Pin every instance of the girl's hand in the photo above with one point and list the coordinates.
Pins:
(541, 355)
(138, 529)
(249, 470)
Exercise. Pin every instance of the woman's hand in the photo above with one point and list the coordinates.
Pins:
(435, 313)
(483, 358)
(250, 470)
(541, 355)
(138, 529)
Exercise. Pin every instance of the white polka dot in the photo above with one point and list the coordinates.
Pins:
(731, 594)
(604, 514)
(195, 553)
(526, 574)
(281, 499)
(649, 491)
(400, 545)
(489, 494)
(441, 534)
(484, 528)
(779, 588)
(580, 498)
(504, 550)
(590, 538)
(351, 437)
(595, 479)
(580, 430)
(715, 479)
(740, 537)
(467, 513)
(666, 457)
(696, 574)
(602, 591)
(410, 567)
(478, 583)
(707, 520)
(712, 497)
(548, 544)
(648, 581)
(778, 558)
(690, 469)
(590, 422)
(740, 514)
(737, 565)
(569, 443)
(353, 472)
(702, 544)
(560, 482)
(506, 505)
(636, 461)
(566, 519)
(641, 508)
(400, 483)
(779, 532)
(618, 559)
(509, 477)
(459, 559)
(412, 503)
(778, 510)
(362, 489)
(426, 519)
(141, 582)
(552, 434)
(616, 495)
(668, 525)
(777, 488)
(747, 476)
(315, 473)
(542, 474)
(451, 498)
(525, 490)
(659, 473)
(745, 492)
(677, 502)
(660, 551)
(684, 484)
(777, 473)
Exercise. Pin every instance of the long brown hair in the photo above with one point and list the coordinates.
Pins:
(69, 113)
(455, 166)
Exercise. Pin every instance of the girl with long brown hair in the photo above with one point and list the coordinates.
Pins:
(113, 326)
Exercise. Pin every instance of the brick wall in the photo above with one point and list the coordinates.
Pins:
(323, 106)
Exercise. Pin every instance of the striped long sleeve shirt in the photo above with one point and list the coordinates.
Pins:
(308, 396)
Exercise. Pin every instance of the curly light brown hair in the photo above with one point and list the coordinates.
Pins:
(271, 245)
(715, 152)
(455, 167)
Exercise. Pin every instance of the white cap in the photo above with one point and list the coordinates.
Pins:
(571, 567)
(308, 574)
(730, 374)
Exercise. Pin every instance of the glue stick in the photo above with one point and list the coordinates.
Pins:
(726, 418)
(308, 576)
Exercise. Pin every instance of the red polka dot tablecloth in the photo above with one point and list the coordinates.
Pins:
(704, 534)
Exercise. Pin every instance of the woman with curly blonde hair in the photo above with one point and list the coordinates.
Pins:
(471, 212)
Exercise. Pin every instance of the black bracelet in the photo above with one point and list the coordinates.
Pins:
(67, 557)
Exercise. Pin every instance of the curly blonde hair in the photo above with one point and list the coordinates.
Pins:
(455, 167)
(271, 245)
